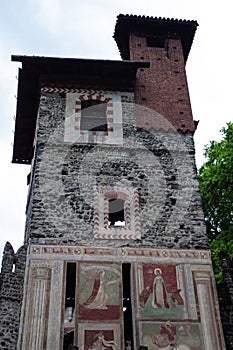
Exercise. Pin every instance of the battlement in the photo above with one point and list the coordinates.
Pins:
(11, 295)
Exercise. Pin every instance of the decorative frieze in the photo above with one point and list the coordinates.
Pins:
(49, 252)
(64, 89)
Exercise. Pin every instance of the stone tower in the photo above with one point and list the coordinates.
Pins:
(117, 254)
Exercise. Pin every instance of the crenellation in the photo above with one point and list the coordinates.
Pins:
(11, 295)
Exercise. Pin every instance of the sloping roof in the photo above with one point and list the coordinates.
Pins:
(127, 24)
(41, 71)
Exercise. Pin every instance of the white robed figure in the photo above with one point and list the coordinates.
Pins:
(159, 291)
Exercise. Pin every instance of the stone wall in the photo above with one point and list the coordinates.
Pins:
(225, 296)
(156, 160)
(11, 294)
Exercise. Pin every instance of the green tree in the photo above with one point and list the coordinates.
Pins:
(216, 186)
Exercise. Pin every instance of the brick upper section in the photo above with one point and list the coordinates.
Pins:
(165, 44)
(163, 87)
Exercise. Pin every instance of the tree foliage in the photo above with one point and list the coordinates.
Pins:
(216, 186)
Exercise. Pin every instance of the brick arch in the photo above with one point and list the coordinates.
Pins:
(102, 230)
(116, 195)
(113, 129)
(94, 97)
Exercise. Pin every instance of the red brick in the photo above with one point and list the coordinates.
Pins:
(160, 86)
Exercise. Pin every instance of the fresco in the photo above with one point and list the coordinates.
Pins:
(99, 339)
(160, 293)
(169, 335)
(99, 291)
(99, 336)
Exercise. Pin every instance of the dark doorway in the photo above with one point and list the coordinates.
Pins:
(127, 306)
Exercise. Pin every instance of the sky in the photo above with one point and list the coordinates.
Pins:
(84, 29)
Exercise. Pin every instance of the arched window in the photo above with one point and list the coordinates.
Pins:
(116, 212)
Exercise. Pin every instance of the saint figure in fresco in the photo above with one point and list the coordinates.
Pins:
(159, 291)
(99, 296)
(100, 343)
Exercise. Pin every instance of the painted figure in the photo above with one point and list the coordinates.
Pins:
(170, 330)
(159, 288)
(144, 296)
(160, 341)
(100, 343)
(160, 295)
(176, 297)
(167, 339)
(99, 295)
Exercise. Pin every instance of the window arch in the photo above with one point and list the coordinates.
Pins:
(116, 213)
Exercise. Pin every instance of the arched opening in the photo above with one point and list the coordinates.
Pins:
(116, 212)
